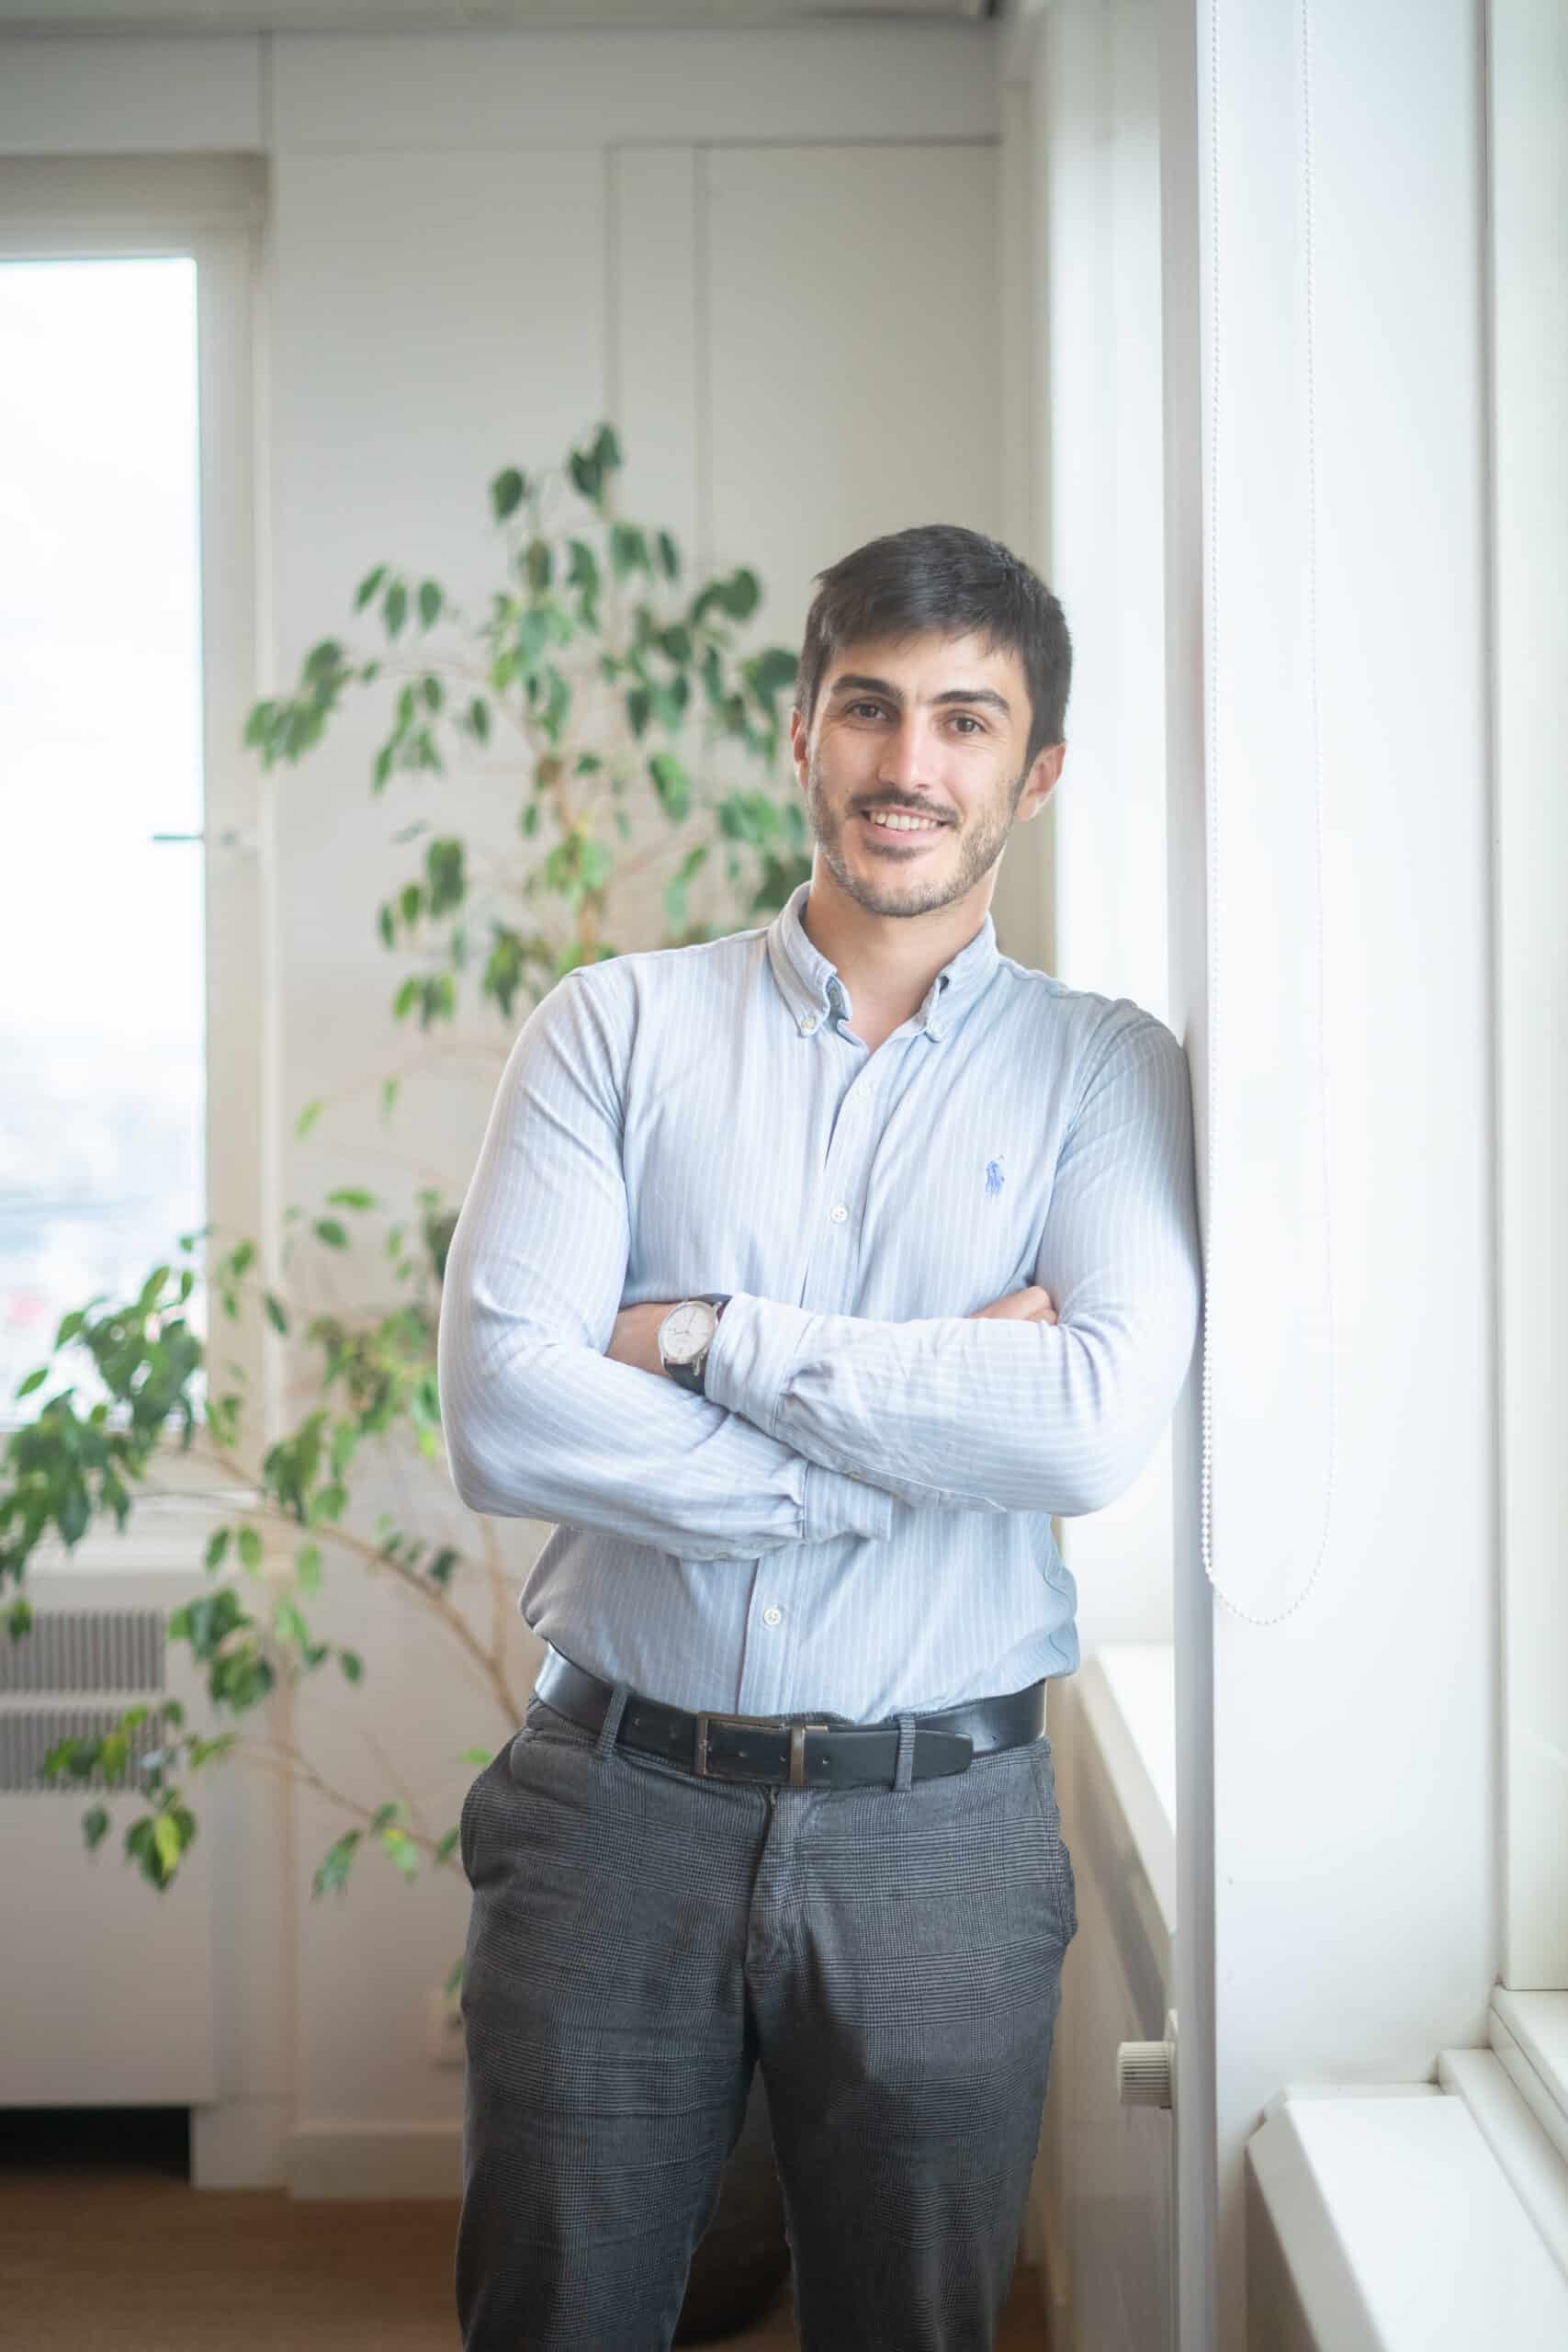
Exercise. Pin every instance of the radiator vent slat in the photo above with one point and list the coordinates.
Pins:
(87, 1649)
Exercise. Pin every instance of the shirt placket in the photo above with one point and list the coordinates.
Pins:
(781, 1589)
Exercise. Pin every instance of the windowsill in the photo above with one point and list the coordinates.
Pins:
(1431, 2213)
(1529, 2033)
(1399, 2223)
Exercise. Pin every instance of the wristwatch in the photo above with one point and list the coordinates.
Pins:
(686, 1335)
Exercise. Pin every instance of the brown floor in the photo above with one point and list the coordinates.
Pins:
(121, 2254)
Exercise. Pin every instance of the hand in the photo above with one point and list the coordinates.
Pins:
(1031, 1306)
(635, 1338)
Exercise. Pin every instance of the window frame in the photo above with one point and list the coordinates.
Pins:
(1527, 267)
(211, 210)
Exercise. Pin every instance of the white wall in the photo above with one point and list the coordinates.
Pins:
(771, 258)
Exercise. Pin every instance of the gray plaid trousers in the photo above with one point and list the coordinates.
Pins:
(640, 1937)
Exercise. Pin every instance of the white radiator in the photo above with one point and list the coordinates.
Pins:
(1103, 2215)
(108, 1982)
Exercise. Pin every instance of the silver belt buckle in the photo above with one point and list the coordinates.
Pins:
(796, 1743)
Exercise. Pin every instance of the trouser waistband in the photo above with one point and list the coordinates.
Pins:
(787, 1752)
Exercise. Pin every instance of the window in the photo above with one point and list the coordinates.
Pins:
(133, 1029)
(102, 962)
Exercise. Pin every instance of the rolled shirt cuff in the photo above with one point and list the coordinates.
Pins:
(749, 1362)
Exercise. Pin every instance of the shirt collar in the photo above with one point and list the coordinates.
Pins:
(811, 988)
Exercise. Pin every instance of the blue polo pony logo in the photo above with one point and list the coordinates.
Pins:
(994, 1178)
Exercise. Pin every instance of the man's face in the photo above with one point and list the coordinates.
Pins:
(935, 726)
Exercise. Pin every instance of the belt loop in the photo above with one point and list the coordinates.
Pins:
(906, 1771)
(609, 1730)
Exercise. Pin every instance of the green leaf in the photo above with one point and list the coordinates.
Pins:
(333, 1872)
(352, 1196)
(276, 1314)
(352, 1664)
(744, 596)
(289, 1623)
(96, 1825)
(308, 1566)
(672, 785)
(249, 1548)
(327, 1503)
(166, 1839)
(330, 1230)
(583, 570)
(628, 550)
(388, 1095)
(308, 1117)
(34, 1380)
(367, 587)
(217, 1545)
(669, 557)
(429, 602)
(507, 493)
(587, 478)
(394, 607)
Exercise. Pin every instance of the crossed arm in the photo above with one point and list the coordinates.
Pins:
(814, 1425)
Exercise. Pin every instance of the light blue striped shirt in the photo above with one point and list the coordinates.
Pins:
(857, 1517)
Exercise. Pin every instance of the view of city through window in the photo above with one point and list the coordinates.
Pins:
(102, 1028)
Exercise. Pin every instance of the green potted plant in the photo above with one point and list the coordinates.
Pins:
(602, 684)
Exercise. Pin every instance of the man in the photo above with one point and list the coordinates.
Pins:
(714, 1304)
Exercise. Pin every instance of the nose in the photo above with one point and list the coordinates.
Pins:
(903, 756)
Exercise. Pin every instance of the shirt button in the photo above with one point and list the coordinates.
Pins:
(838, 1212)
(771, 1616)
(808, 1021)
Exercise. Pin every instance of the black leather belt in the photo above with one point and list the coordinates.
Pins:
(800, 1754)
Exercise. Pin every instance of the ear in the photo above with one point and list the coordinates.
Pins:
(799, 739)
(1043, 777)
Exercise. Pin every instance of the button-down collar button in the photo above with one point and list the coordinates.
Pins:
(808, 1021)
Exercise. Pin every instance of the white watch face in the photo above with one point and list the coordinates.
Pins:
(686, 1331)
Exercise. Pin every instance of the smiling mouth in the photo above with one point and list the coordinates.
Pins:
(905, 836)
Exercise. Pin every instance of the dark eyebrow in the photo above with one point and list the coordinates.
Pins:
(853, 683)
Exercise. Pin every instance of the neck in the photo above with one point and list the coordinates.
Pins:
(888, 962)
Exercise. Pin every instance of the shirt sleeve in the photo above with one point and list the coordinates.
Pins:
(538, 1421)
(953, 1413)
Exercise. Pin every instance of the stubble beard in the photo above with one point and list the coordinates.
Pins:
(981, 843)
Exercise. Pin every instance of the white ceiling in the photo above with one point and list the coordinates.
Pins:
(457, 15)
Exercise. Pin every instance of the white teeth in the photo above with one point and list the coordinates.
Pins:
(900, 824)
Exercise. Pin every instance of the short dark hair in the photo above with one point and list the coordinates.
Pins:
(940, 576)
